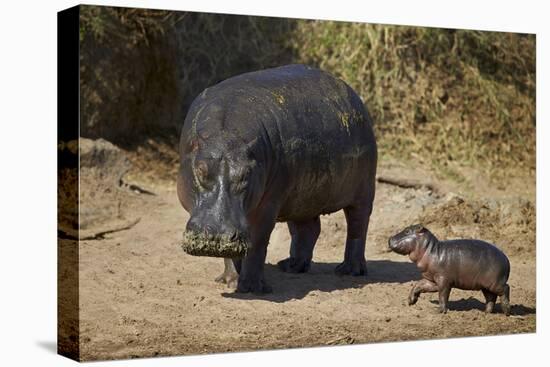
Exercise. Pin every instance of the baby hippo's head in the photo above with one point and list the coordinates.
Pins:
(409, 239)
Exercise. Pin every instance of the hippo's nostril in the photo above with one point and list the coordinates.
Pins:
(208, 230)
(192, 226)
(234, 236)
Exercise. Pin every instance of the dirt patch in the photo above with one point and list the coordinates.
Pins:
(508, 223)
(154, 163)
(141, 295)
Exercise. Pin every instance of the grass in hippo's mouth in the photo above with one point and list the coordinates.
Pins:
(199, 244)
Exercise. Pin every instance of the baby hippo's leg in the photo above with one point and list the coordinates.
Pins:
(444, 291)
(505, 300)
(422, 286)
(490, 299)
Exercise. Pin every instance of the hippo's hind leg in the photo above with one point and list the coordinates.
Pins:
(230, 275)
(304, 235)
(505, 300)
(357, 218)
(490, 299)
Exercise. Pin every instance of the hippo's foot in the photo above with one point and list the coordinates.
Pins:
(352, 267)
(229, 278)
(413, 298)
(256, 286)
(294, 265)
(354, 255)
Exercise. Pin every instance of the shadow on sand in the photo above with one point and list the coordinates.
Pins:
(48, 345)
(321, 277)
(472, 303)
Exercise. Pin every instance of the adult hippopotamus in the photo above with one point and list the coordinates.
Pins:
(463, 264)
(285, 144)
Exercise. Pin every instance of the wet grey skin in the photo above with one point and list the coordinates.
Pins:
(463, 264)
(279, 145)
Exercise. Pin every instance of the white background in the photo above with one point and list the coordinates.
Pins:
(28, 182)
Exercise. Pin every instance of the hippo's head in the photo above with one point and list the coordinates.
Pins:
(219, 184)
(409, 239)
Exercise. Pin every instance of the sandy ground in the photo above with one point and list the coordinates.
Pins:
(141, 295)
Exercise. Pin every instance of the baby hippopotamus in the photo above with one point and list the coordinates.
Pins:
(463, 264)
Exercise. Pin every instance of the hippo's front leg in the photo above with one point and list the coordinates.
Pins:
(421, 286)
(230, 275)
(251, 276)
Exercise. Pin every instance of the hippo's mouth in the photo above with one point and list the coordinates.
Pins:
(199, 244)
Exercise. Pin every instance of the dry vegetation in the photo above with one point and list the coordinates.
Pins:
(442, 97)
(173, 57)
(439, 94)
(508, 222)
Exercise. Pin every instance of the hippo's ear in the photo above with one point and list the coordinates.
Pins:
(251, 144)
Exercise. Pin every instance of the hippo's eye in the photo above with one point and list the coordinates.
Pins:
(240, 179)
(241, 186)
(201, 171)
(241, 183)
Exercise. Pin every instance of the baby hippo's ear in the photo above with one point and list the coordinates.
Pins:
(421, 229)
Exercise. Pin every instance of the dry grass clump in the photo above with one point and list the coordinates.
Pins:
(436, 94)
(509, 223)
(141, 69)
(441, 96)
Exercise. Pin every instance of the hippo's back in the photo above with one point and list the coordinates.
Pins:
(315, 127)
(475, 264)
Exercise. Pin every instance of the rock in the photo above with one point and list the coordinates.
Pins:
(103, 157)
(102, 203)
